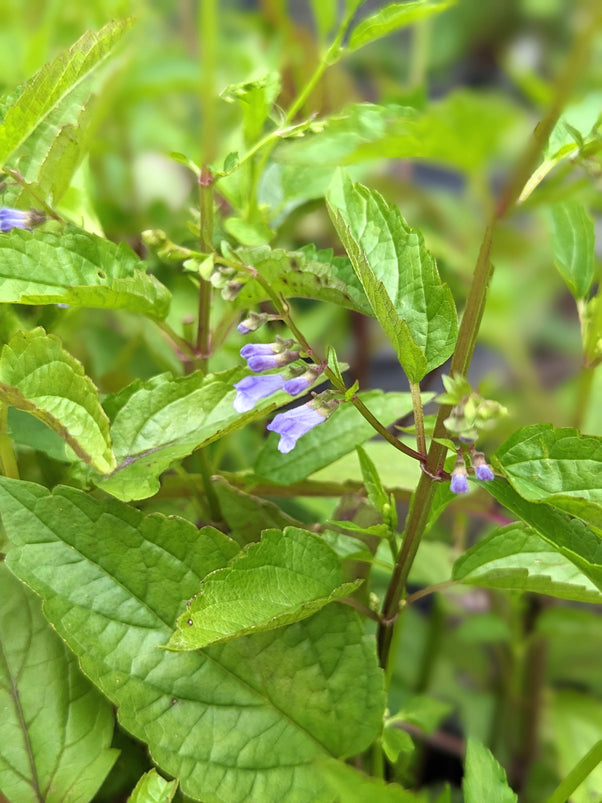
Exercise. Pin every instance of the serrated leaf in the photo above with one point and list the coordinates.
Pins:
(160, 421)
(56, 729)
(400, 278)
(569, 535)
(392, 18)
(39, 377)
(245, 717)
(516, 558)
(52, 84)
(341, 433)
(288, 576)
(79, 269)
(573, 244)
(557, 466)
(152, 788)
(484, 778)
(303, 274)
(349, 785)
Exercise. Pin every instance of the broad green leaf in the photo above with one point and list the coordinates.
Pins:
(341, 433)
(247, 515)
(391, 18)
(158, 422)
(306, 273)
(289, 575)
(400, 278)
(569, 535)
(152, 788)
(39, 377)
(247, 717)
(557, 466)
(52, 84)
(516, 558)
(55, 729)
(77, 268)
(349, 785)
(484, 779)
(573, 245)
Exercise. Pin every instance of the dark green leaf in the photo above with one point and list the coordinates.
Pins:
(55, 729)
(341, 433)
(400, 278)
(573, 245)
(250, 714)
(516, 558)
(285, 578)
(39, 377)
(77, 268)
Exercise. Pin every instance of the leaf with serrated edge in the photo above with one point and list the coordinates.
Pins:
(398, 274)
(160, 421)
(79, 269)
(152, 788)
(239, 721)
(56, 728)
(53, 82)
(288, 576)
(516, 558)
(39, 377)
(484, 778)
(557, 466)
(352, 786)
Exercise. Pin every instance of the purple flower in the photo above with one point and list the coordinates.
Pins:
(292, 424)
(14, 219)
(265, 356)
(484, 472)
(296, 385)
(252, 388)
(257, 349)
(459, 484)
(244, 330)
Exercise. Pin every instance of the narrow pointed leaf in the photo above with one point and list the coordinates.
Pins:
(338, 435)
(39, 377)
(398, 274)
(152, 788)
(238, 720)
(484, 778)
(573, 244)
(516, 558)
(160, 421)
(56, 728)
(392, 18)
(288, 576)
(53, 83)
(77, 268)
(557, 466)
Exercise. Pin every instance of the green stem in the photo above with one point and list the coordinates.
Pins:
(206, 182)
(471, 321)
(8, 461)
(208, 36)
(577, 775)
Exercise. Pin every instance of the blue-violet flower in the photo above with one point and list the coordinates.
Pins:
(459, 482)
(252, 388)
(292, 424)
(299, 384)
(481, 469)
(14, 219)
(265, 356)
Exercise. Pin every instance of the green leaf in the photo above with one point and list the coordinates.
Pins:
(557, 466)
(158, 422)
(425, 712)
(341, 433)
(287, 577)
(39, 377)
(573, 244)
(484, 778)
(79, 269)
(377, 496)
(392, 18)
(152, 788)
(576, 728)
(570, 536)
(52, 84)
(306, 273)
(400, 278)
(325, 16)
(349, 785)
(247, 515)
(250, 714)
(516, 558)
(55, 729)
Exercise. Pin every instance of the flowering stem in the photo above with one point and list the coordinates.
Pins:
(471, 320)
